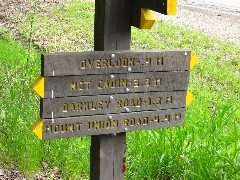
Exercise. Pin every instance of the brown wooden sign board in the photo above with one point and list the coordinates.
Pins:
(112, 123)
(65, 86)
(111, 104)
(105, 62)
(90, 89)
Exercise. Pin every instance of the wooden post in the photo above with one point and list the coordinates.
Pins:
(112, 31)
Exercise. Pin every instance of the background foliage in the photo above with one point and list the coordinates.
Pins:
(207, 147)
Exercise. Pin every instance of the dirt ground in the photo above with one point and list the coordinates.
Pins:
(213, 22)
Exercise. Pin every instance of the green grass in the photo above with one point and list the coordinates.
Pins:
(207, 147)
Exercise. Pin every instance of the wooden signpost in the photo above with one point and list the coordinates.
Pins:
(112, 90)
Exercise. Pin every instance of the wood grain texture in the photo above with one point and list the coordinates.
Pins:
(101, 62)
(67, 86)
(112, 25)
(102, 124)
(103, 104)
(112, 31)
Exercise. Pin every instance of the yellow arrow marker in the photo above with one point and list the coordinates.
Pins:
(147, 19)
(37, 128)
(171, 7)
(38, 86)
(193, 60)
(189, 98)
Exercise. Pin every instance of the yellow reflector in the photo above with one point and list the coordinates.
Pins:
(37, 128)
(189, 98)
(38, 86)
(147, 19)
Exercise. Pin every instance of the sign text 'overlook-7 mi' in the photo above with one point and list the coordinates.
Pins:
(104, 92)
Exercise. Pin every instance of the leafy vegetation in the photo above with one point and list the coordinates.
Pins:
(207, 147)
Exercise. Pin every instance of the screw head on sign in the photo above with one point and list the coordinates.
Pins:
(113, 56)
(129, 69)
(185, 53)
(125, 129)
(110, 117)
(127, 109)
(111, 97)
(112, 76)
(127, 89)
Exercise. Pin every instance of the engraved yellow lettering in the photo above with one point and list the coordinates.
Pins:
(73, 107)
(125, 102)
(83, 64)
(177, 117)
(132, 102)
(105, 63)
(149, 61)
(48, 129)
(70, 127)
(145, 120)
(124, 83)
(169, 99)
(79, 106)
(114, 123)
(136, 82)
(98, 63)
(97, 124)
(90, 105)
(65, 107)
(158, 100)
(87, 84)
(90, 63)
(86, 106)
(149, 101)
(106, 84)
(114, 84)
(78, 126)
(107, 103)
(90, 125)
(139, 122)
(100, 84)
(158, 81)
(160, 61)
(119, 62)
(132, 122)
(100, 105)
(108, 124)
(139, 102)
(132, 62)
(63, 130)
(167, 118)
(110, 63)
(148, 82)
(80, 85)
(125, 62)
(56, 129)
(73, 85)
(103, 124)
(126, 122)
(119, 103)
(157, 119)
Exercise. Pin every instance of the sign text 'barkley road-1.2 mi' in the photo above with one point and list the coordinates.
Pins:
(92, 93)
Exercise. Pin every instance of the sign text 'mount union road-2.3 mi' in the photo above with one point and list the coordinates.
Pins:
(105, 92)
